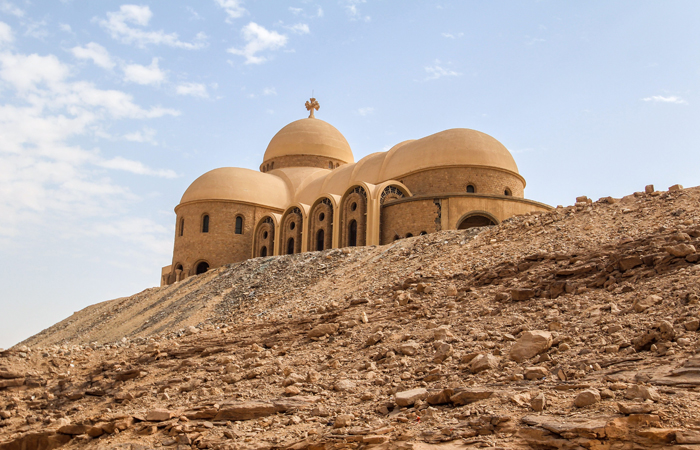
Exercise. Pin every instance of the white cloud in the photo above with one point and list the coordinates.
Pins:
(435, 72)
(452, 36)
(137, 73)
(662, 99)
(319, 12)
(6, 35)
(65, 27)
(135, 167)
(299, 28)
(365, 111)
(296, 11)
(258, 39)
(234, 9)
(353, 11)
(117, 24)
(270, 91)
(193, 89)
(95, 52)
(147, 136)
(300, 12)
(7, 7)
(36, 29)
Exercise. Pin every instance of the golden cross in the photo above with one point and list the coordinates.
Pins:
(311, 105)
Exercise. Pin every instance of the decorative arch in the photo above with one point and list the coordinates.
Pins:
(291, 227)
(321, 218)
(475, 219)
(354, 217)
(264, 237)
(471, 188)
(200, 267)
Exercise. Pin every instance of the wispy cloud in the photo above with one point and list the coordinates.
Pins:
(6, 34)
(365, 111)
(452, 35)
(135, 167)
(151, 74)
(661, 99)
(192, 89)
(234, 9)
(7, 7)
(351, 8)
(118, 25)
(258, 39)
(435, 72)
(299, 28)
(95, 52)
(147, 136)
(270, 91)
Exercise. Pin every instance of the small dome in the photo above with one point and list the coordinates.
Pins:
(309, 137)
(239, 185)
(455, 147)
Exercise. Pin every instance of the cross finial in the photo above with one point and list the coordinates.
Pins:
(311, 105)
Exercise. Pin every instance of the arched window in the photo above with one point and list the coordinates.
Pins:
(330, 164)
(507, 192)
(290, 246)
(178, 267)
(202, 267)
(320, 240)
(352, 234)
(272, 165)
(408, 235)
(471, 189)
(263, 251)
(239, 225)
(205, 224)
(182, 226)
(292, 225)
(476, 220)
(423, 233)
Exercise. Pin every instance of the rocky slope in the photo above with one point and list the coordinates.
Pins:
(571, 329)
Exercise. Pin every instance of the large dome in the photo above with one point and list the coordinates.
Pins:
(309, 137)
(239, 185)
(455, 147)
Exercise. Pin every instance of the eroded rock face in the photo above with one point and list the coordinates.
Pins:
(482, 337)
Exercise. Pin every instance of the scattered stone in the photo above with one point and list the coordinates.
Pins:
(536, 373)
(483, 362)
(539, 403)
(587, 397)
(324, 329)
(408, 398)
(639, 392)
(530, 344)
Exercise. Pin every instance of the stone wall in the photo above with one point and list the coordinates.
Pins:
(221, 245)
(415, 217)
(452, 180)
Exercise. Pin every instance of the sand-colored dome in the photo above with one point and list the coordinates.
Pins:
(309, 137)
(240, 185)
(454, 147)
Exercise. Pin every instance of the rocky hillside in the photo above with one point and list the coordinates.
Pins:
(571, 329)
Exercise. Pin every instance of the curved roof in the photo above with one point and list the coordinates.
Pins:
(454, 147)
(241, 185)
(309, 136)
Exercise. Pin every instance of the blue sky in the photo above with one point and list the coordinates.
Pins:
(109, 110)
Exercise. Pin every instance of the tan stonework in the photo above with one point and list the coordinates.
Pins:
(310, 195)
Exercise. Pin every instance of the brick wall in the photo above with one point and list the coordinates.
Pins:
(455, 180)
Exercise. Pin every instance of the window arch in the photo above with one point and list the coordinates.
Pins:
(205, 223)
(182, 226)
(239, 225)
(471, 189)
(290, 246)
(409, 235)
(202, 267)
(352, 234)
(507, 192)
(476, 219)
(320, 240)
(263, 251)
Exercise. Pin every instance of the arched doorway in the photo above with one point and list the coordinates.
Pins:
(320, 240)
(352, 234)
(290, 246)
(263, 251)
(476, 220)
(202, 267)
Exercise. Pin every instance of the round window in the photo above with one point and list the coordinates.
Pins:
(264, 234)
(353, 206)
(292, 225)
(321, 217)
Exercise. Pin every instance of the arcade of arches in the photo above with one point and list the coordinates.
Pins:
(311, 195)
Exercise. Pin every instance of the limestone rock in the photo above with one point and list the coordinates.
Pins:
(639, 392)
(443, 352)
(530, 344)
(642, 304)
(467, 396)
(680, 250)
(409, 348)
(344, 385)
(246, 411)
(587, 397)
(536, 373)
(483, 362)
(343, 420)
(520, 295)
(539, 403)
(158, 415)
(323, 330)
(408, 398)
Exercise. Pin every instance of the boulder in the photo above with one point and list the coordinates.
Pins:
(324, 329)
(408, 398)
(483, 362)
(158, 415)
(639, 392)
(539, 403)
(680, 250)
(530, 344)
(587, 397)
